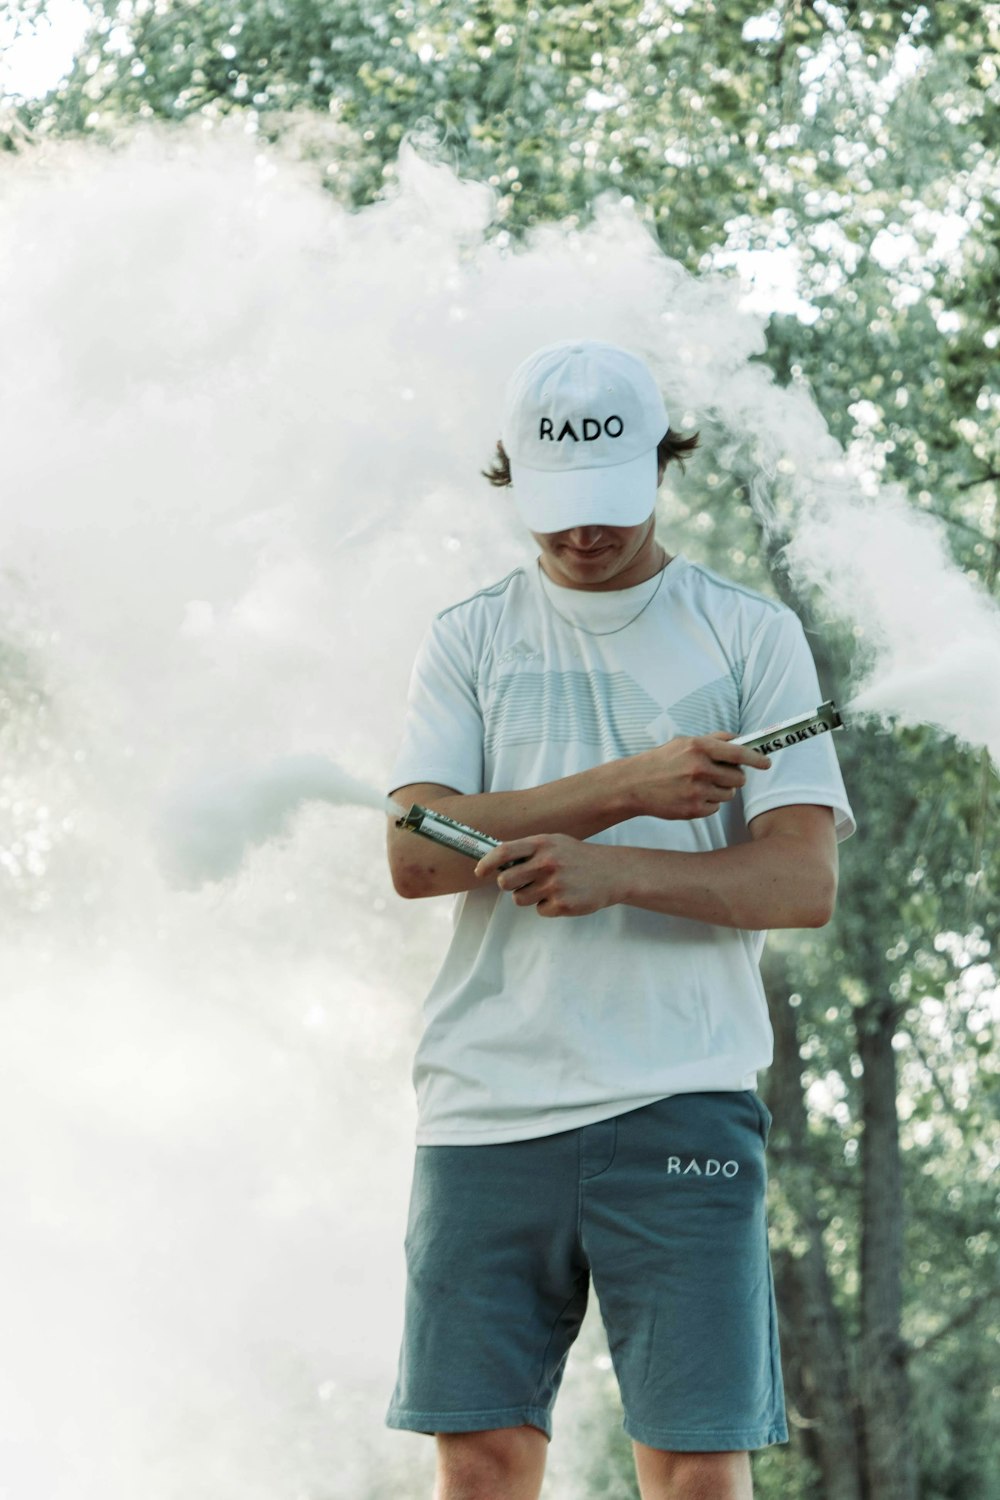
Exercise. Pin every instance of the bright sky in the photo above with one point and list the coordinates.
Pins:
(33, 64)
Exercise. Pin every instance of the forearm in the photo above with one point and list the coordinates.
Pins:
(771, 882)
(579, 805)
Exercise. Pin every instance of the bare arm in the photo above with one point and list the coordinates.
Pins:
(578, 805)
(688, 777)
(786, 876)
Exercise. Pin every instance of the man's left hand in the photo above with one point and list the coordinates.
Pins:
(560, 875)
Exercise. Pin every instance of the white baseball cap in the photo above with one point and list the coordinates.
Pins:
(581, 424)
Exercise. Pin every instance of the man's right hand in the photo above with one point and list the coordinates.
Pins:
(689, 777)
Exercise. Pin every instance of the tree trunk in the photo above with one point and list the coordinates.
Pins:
(883, 1448)
(816, 1356)
(883, 1386)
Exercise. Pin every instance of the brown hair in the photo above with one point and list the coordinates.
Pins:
(670, 447)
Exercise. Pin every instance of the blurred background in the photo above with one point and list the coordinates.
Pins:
(264, 270)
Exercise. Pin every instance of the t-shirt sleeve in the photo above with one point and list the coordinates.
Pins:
(443, 730)
(780, 682)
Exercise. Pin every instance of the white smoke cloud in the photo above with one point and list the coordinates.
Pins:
(205, 828)
(242, 432)
(933, 632)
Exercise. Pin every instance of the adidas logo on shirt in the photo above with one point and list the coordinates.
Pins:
(520, 651)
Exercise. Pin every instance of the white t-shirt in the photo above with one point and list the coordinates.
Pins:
(535, 1025)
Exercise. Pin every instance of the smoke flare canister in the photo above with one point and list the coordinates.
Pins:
(465, 840)
(451, 834)
(793, 731)
(446, 831)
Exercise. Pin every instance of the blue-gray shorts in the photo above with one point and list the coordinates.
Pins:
(665, 1207)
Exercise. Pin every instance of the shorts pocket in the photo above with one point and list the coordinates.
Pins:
(763, 1114)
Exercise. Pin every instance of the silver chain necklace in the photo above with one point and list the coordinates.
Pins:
(586, 631)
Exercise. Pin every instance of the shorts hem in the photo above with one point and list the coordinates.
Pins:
(430, 1422)
(718, 1440)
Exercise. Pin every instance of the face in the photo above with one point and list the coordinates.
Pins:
(601, 557)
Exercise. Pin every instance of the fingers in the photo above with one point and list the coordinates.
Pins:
(504, 855)
(721, 750)
(499, 865)
(515, 885)
(712, 801)
(720, 779)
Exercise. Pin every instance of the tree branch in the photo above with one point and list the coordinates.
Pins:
(968, 1312)
(968, 484)
(949, 1108)
(991, 541)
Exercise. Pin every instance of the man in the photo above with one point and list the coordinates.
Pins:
(586, 1087)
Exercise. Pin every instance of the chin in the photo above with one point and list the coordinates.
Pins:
(603, 560)
(589, 572)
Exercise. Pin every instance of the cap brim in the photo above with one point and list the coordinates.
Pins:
(616, 495)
